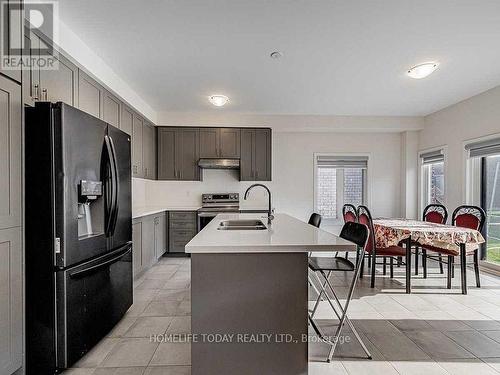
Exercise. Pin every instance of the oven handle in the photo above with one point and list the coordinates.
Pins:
(207, 214)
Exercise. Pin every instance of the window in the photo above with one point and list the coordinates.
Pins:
(484, 160)
(433, 184)
(339, 180)
(491, 204)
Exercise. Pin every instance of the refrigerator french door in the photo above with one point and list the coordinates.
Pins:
(78, 233)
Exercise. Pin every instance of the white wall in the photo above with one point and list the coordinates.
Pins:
(472, 118)
(409, 175)
(292, 185)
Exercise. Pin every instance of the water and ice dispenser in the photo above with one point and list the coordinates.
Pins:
(89, 207)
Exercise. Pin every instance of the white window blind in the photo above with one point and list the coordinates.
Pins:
(432, 157)
(330, 161)
(483, 148)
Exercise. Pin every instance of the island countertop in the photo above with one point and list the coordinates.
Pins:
(286, 235)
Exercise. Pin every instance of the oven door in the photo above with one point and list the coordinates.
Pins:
(205, 217)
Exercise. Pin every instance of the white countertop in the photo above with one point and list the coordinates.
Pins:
(151, 210)
(286, 234)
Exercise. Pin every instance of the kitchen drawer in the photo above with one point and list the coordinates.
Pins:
(178, 216)
(183, 225)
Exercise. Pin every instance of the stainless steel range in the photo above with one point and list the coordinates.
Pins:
(214, 204)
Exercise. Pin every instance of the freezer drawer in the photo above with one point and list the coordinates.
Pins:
(92, 298)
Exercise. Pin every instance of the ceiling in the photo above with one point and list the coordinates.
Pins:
(340, 57)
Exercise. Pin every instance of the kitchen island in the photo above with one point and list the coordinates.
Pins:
(249, 295)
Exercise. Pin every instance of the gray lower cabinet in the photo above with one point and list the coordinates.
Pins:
(178, 154)
(256, 155)
(137, 247)
(161, 235)
(149, 238)
(11, 300)
(182, 227)
(90, 95)
(148, 242)
(219, 143)
(10, 153)
(111, 109)
(137, 141)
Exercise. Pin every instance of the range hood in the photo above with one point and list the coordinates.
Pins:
(209, 163)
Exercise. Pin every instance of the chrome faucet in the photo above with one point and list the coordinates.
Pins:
(270, 211)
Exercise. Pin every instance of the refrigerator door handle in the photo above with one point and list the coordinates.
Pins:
(111, 212)
(91, 269)
(117, 187)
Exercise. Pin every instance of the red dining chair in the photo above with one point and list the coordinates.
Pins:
(433, 213)
(392, 252)
(471, 217)
(350, 215)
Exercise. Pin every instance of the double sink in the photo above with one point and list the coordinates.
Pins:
(241, 225)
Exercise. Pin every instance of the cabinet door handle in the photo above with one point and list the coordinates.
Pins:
(256, 174)
(44, 95)
(146, 172)
(35, 92)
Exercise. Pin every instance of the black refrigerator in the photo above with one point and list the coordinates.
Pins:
(78, 233)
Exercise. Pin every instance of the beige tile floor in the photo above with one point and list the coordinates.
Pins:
(432, 331)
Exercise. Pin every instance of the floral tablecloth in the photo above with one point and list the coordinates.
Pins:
(390, 232)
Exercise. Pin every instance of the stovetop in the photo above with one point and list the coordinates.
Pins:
(220, 202)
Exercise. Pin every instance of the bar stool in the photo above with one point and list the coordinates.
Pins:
(324, 266)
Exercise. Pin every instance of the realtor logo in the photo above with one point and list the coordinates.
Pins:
(38, 18)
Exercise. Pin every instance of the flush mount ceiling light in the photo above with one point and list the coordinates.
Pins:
(422, 70)
(276, 55)
(218, 100)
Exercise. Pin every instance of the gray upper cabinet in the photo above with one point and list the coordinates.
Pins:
(149, 150)
(178, 154)
(90, 95)
(262, 155)
(167, 169)
(55, 85)
(219, 143)
(13, 18)
(10, 153)
(111, 109)
(31, 75)
(256, 155)
(229, 143)
(126, 119)
(59, 85)
(209, 142)
(11, 300)
(187, 154)
(137, 143)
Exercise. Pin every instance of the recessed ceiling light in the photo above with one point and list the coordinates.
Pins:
(276, 55)
(422, 70)
(218, 100)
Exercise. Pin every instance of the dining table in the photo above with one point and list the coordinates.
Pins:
(458, 240)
